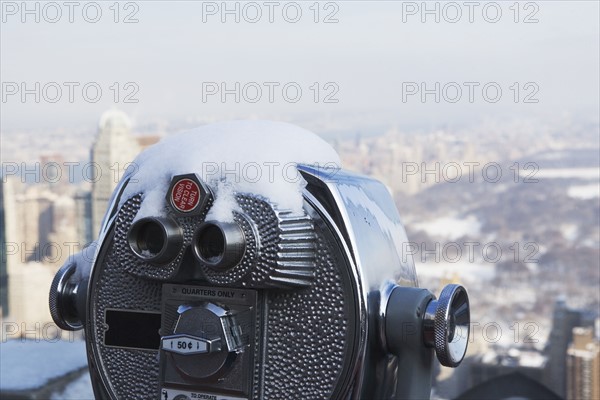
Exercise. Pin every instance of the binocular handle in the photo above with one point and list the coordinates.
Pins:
(68, 295)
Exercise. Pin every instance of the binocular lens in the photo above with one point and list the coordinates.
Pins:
(211, 243)
(155, 239)
(151, 238)
(219, 245)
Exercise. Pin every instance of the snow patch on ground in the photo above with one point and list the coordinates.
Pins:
(464, 270)
(451, 227)
(29, 364)
(584, 192)
(569, 231)
(237, 156)
(555, 173)
(79, 389)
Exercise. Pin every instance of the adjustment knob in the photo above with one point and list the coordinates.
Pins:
(68, 293)
(446, 325)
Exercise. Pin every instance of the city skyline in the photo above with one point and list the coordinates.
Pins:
(480, 118)
(416, 173)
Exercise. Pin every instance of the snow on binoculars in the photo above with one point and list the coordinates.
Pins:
(239, 261)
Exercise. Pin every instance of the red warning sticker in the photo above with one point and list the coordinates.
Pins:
(185, 195)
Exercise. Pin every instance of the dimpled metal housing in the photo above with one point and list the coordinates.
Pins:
(319, 277)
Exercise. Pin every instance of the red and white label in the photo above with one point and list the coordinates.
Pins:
(185, 195)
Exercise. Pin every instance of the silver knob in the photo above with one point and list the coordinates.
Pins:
(446, 325)
(63, 298)
(68, 293)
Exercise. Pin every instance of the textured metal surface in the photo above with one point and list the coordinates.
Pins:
(248, 262)
(280, 247)
(367, 222)
(309, 339)
(140, 267)
(319, 274)
(441, 328)
(286, 255)
(308, 332)
(132, 373)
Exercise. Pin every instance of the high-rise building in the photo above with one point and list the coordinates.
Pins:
(25, 274)
(52, 175)
(28, 296)
(3, 258)
(83, 219)
(583, 365)
(112, 154)
(11, 245)
(561, 336)
(63, 239)
(113, 149)
(34, 211)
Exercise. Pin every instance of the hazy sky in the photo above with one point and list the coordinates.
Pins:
(376, 59)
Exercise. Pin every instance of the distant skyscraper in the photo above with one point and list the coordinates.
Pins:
(561, 336)
(53, 178)
(83, 212)
(10, 240)
(3, 258)
(64, 237)
(25, 298)
(583, 366)
(113, 149)
(34, 211)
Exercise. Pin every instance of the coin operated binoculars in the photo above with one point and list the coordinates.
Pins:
(264, 301)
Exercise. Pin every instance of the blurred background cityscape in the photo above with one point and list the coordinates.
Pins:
(525, 243)
(500, 194)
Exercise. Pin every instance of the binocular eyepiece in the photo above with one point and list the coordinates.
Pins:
(219, 245)
(299, 290)
(156, 240)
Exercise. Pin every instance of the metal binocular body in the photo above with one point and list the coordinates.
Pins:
(272, 303)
